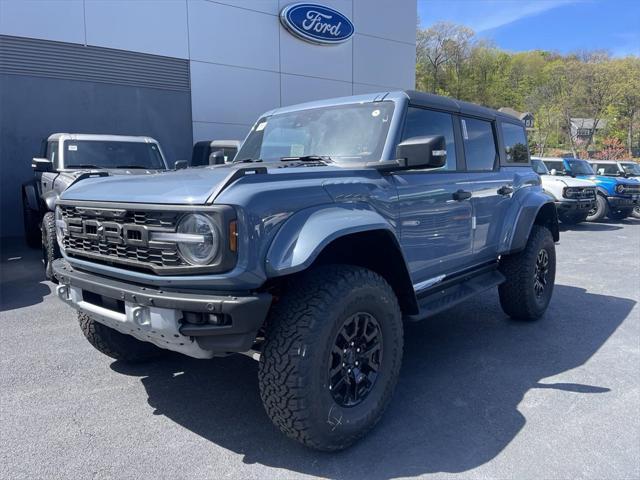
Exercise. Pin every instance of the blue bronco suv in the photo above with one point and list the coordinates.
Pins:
(336, 221)
(616, 196)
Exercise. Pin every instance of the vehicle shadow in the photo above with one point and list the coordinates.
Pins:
(456, 406)
(22, 281)
(590, 227)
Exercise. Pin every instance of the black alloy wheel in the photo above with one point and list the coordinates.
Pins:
(355, 359)
(540, 273)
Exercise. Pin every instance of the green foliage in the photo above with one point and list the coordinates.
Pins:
(555, 88)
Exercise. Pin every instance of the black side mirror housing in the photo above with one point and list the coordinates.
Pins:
(422, 152)
(180, 164)
(41, 164)
(216, 158)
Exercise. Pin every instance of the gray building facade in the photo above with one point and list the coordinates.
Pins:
(177, 70)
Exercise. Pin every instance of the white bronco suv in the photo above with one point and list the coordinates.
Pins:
(574, 198)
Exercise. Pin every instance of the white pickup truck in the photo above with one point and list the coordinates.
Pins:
(574, 198)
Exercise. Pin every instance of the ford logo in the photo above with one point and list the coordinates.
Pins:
(316, 23)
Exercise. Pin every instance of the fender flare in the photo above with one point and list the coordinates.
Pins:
(521, 218)
(50, 199)
(306, 233)
(30, 192)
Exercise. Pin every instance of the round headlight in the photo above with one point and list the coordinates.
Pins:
(199, 240)
(620, 188)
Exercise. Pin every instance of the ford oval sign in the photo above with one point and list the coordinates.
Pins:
(316, 23)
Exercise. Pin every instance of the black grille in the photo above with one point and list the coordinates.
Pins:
(85, 240)
(580, 193)
(631, 190)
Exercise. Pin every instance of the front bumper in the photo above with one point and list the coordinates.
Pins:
(623, 202)
(575, 206)
(157, 316)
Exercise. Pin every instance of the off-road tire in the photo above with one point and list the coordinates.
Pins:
(620, 214)
(635, 213)
(301, 331)
(572, 218)
(600, 211)
(50, 248)
(115, 344)
(31, 221)
(518, 297)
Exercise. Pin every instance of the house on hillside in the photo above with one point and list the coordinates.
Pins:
(526, 117)
(582, 128)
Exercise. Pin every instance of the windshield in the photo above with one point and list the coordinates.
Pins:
(631, 168)
(354, 132)
(579, 167)
(111, 154)
(539, 167)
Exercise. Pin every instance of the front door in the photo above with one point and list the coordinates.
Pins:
(434, 213)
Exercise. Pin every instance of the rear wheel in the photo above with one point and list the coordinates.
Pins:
(530, 277)
(599, 211)
(115, 344)
(31, 220)
(332, 355)
(50, 248)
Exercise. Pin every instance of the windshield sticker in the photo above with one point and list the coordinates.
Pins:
(297, 150)
(261, 126)
(375, 113)
(73, 148)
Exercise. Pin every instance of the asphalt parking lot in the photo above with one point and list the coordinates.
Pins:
(479, 396)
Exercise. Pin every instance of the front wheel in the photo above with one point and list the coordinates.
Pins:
(50, 248)
(635, 213)
(530, 277)
(30, 222)
(599, 211)
(620, 214)
(572, 219)
(332, 355)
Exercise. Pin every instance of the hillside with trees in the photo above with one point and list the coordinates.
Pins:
(586, 104)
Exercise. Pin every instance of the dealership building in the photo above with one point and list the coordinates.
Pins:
(181, 71)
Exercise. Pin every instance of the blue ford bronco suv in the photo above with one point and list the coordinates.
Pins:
(336, 221)
(616, 197)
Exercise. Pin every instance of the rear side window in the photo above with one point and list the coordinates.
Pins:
(421, 122)
(515, 143)
(479, 144)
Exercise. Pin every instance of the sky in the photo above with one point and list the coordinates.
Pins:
(558, 25)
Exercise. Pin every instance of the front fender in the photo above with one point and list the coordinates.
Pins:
(30, 190)
(305, 234)
(521, 217)
(50, 199)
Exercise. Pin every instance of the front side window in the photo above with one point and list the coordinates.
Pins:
(479, 144)
(610, 169)
(556, 165)
(515, 143)
(352, 132)
(52, 152)
(108, 154)
(420, 122)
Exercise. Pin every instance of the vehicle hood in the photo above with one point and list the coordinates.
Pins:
(602, 179)
(567, 181)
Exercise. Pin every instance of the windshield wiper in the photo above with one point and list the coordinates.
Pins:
(308, 158)
(132, 166)
(248, 160)
(83, 165)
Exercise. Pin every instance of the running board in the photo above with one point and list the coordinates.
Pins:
(445, 296)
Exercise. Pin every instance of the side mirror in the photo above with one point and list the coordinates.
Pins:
(180, 164)
(216, 158)
(601, 171)
(426, 152)
(41, 164)
(553, 171)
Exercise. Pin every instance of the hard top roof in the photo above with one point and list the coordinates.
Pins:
(97, 137)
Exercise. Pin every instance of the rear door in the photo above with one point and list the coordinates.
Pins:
(491, 185)
(435, 226)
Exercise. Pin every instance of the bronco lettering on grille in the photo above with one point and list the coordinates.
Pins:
(110, 232)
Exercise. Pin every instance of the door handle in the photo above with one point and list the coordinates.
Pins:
(461, 195)
(505, 190)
